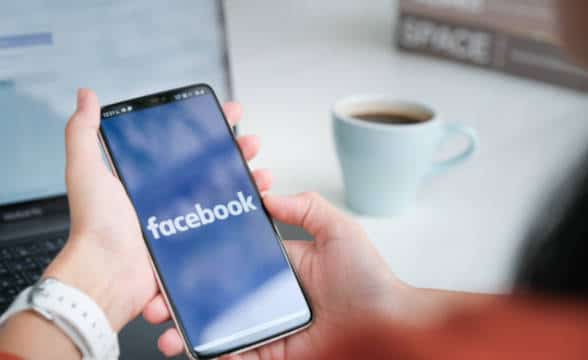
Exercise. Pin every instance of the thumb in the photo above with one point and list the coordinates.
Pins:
(81, 135)
(312, 212)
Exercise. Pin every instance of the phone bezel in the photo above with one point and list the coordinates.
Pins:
(147, 101)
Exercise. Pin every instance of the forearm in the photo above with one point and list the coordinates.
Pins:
(94, 271)
(423, 307)
(30, 336)
(439, 303)
(85, 268)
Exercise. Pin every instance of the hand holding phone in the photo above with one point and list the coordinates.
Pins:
(346, 279)
(343, 273)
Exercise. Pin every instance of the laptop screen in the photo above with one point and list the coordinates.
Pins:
(120, 49)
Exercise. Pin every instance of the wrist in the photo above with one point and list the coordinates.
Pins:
(409, 306)
(95, 272)
(27, 335)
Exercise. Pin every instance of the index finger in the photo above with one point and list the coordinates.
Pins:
(233, 111)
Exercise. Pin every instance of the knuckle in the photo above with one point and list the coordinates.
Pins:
(317, 203)
(358, 228)
(310, 196)
(308, 208)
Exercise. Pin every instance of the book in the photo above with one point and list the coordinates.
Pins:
(517, 37)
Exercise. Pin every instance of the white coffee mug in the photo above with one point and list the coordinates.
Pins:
(384, 161)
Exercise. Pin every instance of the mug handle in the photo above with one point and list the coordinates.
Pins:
(451, 130)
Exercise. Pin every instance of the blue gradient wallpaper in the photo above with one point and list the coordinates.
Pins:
(215, 248)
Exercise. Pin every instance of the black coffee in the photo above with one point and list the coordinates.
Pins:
(389, 118)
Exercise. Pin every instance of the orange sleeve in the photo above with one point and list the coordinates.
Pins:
(6, 356)
(517, 329)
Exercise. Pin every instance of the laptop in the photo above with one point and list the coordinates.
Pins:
(130, 49)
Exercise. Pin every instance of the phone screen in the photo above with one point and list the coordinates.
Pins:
(216, 251)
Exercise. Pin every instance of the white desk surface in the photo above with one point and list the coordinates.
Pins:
(293, 59)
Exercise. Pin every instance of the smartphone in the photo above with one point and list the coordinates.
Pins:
(217, 255)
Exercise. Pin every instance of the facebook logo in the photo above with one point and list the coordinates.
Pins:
(200, 217)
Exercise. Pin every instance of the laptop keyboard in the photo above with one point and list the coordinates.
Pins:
(22, 263)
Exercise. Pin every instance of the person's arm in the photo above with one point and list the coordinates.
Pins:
(424, 307)
(87, 268)
(31, 337)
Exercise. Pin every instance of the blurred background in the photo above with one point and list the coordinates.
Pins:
(293, 60)
(493, 65)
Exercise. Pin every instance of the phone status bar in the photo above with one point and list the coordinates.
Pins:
(189, 94)
(151, 101)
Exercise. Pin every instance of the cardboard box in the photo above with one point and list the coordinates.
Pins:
(518, 37)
